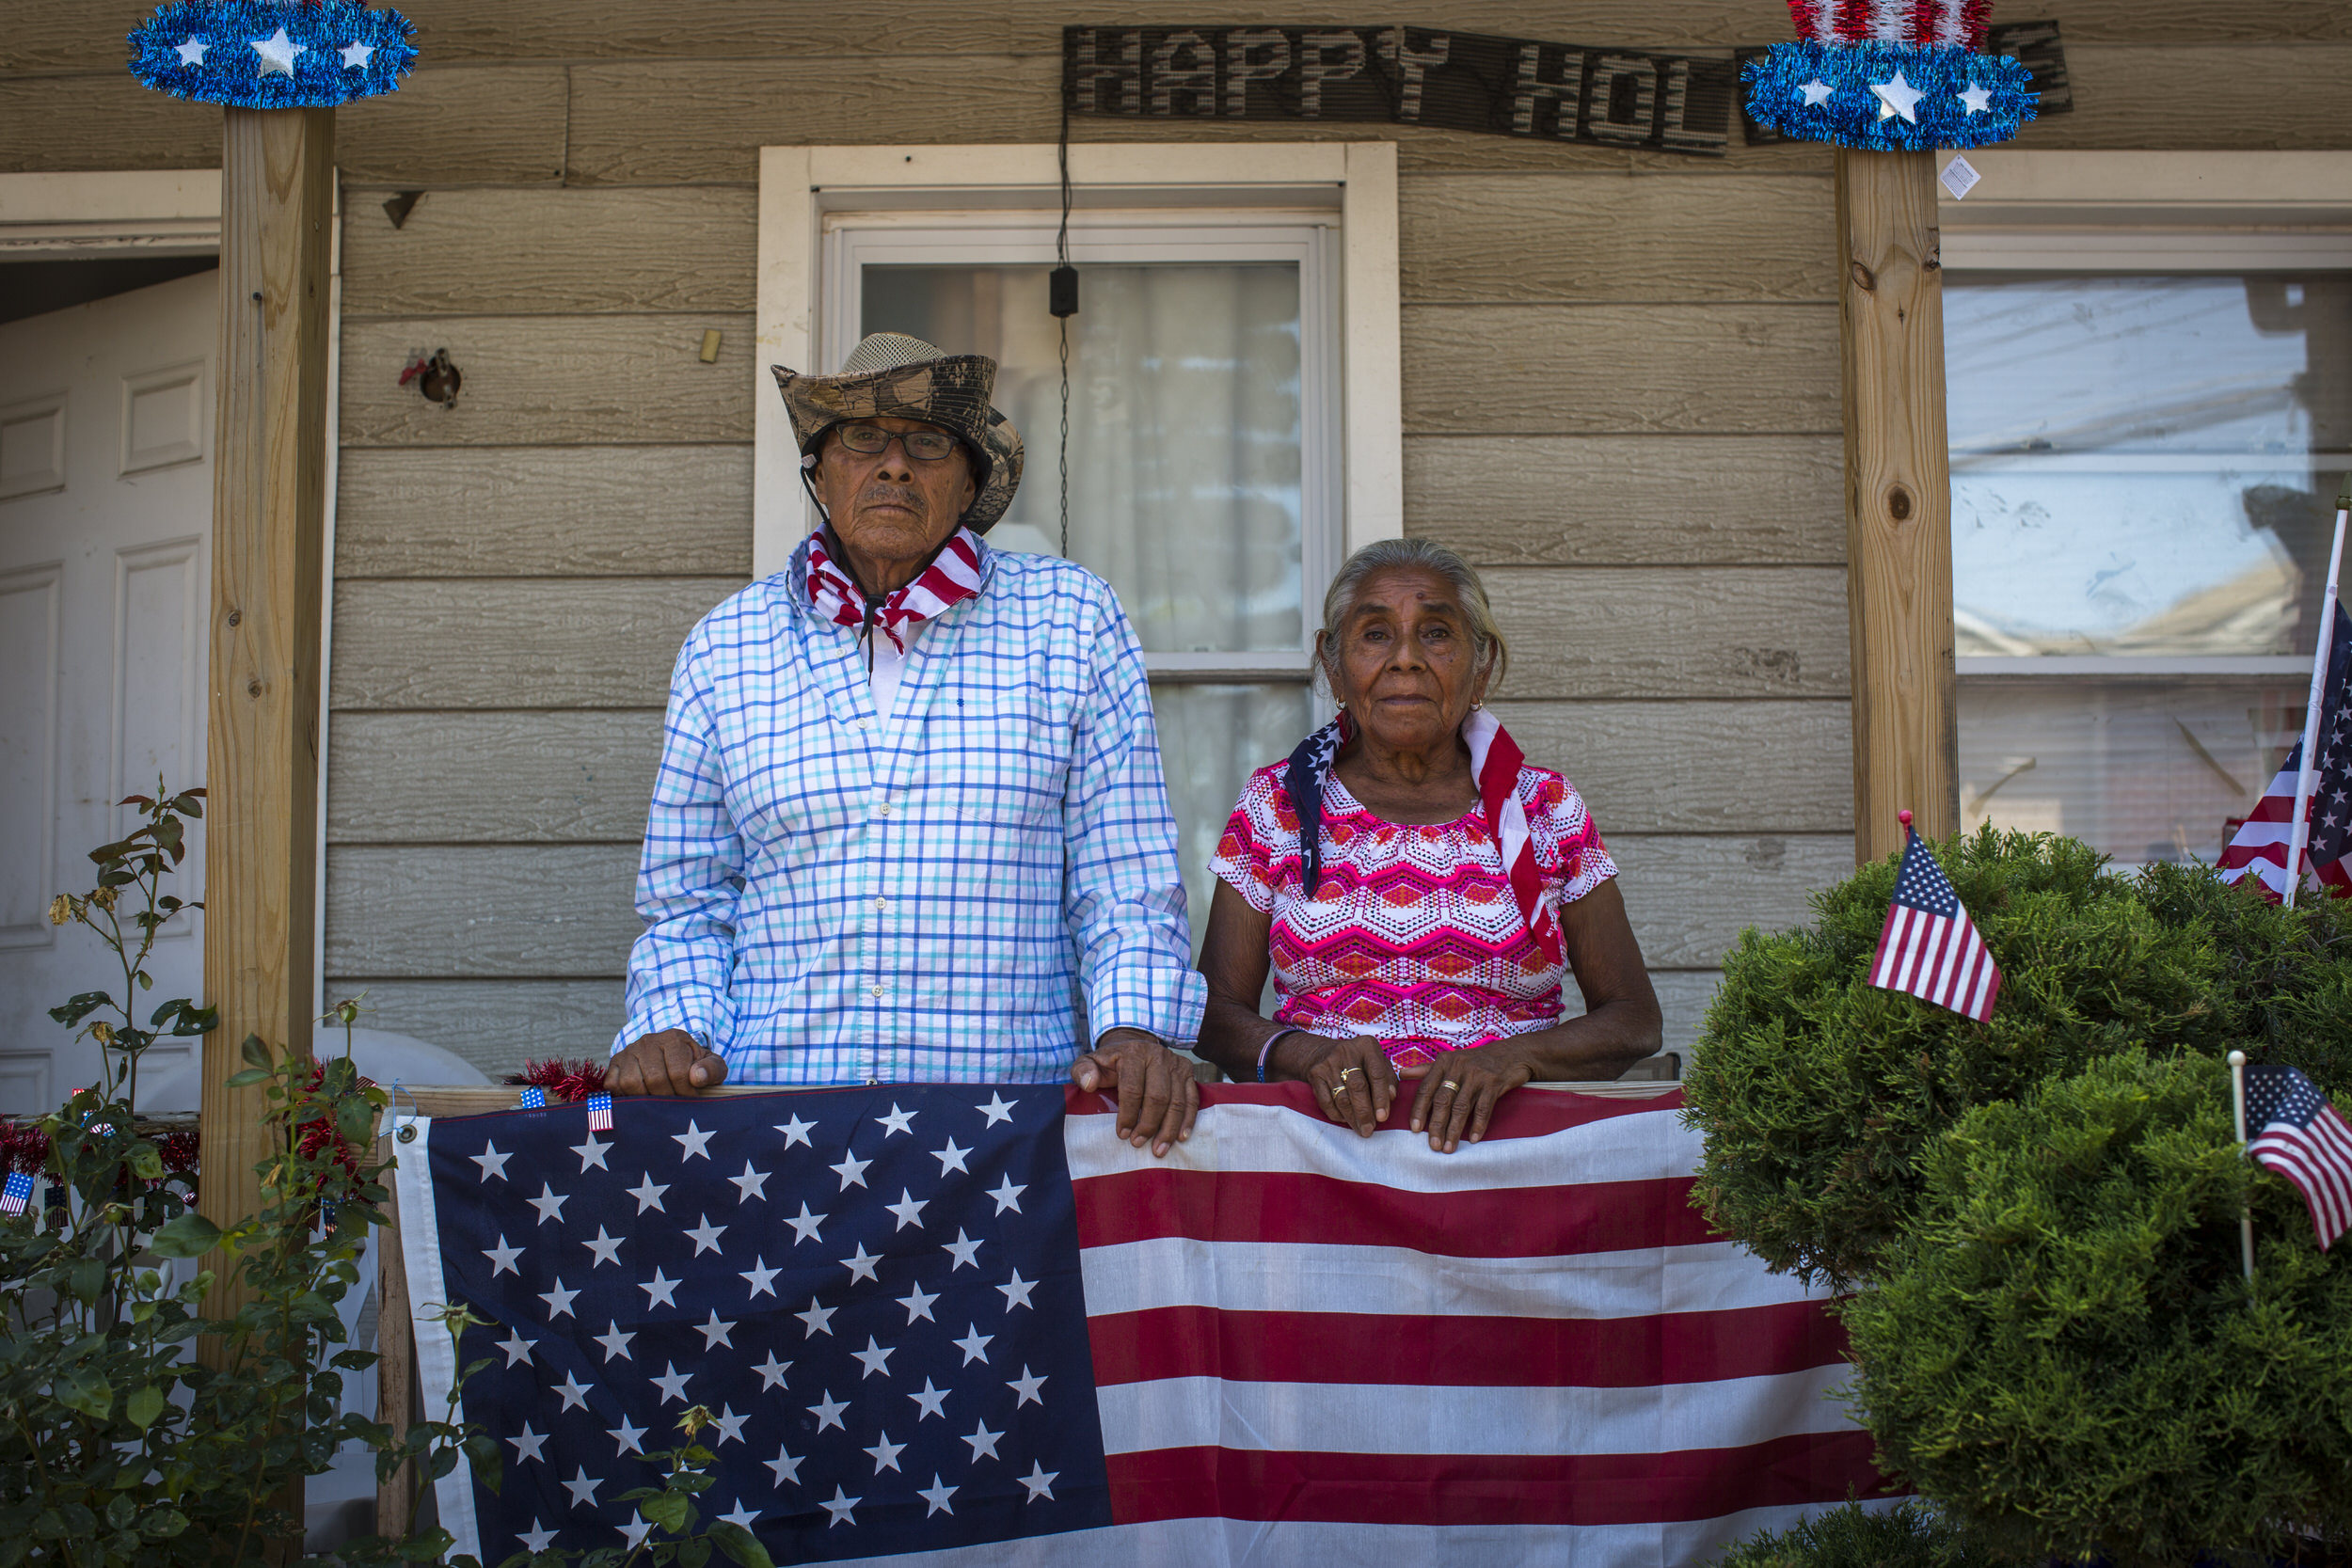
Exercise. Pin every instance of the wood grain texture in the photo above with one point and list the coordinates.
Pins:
(268, 537)
(1689, 897)
(524, 911)
(1899, 502)
(1590, 238)
(2139, 96)
(563, 912)
(1623, 500)
(550, 381)
(474, 124)
(543, 512)
(486, 252)
(650, 123)
(1599, 370)
(495, 1023)
(1706, 767)
(496, 778)
(593, 642)
(41, 37)
(1671, 632)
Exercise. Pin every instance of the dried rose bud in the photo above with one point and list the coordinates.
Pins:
(102, 1032)
(103, 898)
(60, 909)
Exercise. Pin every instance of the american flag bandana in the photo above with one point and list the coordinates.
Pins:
(2299, 1136)
(1495, 761)
(953, 577)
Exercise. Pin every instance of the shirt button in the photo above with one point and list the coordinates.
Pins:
(865, 723)
(881, 903)
(880, 989)
(884, 809)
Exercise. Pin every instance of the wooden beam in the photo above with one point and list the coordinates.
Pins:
(278, 189)
(1898, 500)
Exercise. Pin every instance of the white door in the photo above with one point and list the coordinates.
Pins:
(105, 505)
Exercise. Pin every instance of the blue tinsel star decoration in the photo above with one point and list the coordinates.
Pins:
(1887, 98)
(272, 54)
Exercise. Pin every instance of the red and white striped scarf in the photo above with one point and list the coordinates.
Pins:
(953, 577)
(1495, 761)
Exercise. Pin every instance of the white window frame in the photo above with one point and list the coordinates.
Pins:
(799, 186)
(2156, 211)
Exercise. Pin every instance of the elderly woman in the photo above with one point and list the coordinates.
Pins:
(1418, 890)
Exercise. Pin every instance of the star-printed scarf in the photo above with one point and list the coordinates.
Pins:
(953, 577)
(1495, 761)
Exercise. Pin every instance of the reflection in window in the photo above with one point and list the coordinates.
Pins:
(2143, 469)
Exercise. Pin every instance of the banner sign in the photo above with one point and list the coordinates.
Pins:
(1404, 76)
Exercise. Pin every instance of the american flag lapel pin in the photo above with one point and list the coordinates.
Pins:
(599, 1112)
(533, 1097)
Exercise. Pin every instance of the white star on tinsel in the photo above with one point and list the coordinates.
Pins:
(503, 1258)
(1816, 93)
(592, 1153)
(661, 1291)
(1017, 1293)
(528, 1445)
(828, 1414)
(796, 1132)
(277, 53)
(817, 1320)
(1897, 97)
(695, 1141)
(974, 1346)
(355, 55)
(607, 1248)
(539, 1538)
(804, 1227)
(897, 1120)
(1978, 100)
(918, 1305)
(762, 1277)
(672, 1382)
(931, 1401)
(997, 1109)
(840, 1505)
(936, 1495)
(771, 1372)
(885, 1454)
(628, 1436)
(490, 1160)
(1039, 1481)
(616, 1344)
(1026, 1386)
(876, 1358)
(983, 1442)
(787, 1466)
(1008, 1194)
(715, 1332)
(908, 1208)
(965, 1251)
(750, 1184)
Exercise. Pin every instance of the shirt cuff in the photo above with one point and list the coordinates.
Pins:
(1160, 1000)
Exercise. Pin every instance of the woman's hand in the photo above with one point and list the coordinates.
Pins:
(1458, 1096)
(1352, 1078)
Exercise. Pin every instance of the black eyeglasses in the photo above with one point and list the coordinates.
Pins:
(870, 440)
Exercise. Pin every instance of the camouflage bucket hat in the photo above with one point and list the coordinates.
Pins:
(893, 375)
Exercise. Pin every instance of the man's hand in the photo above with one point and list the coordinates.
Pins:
(1158, 1096)
(668, 1063)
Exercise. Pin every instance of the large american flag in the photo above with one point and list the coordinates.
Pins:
(970, 1322)
(2260, 847)
(1929, 947)
(2299, 1136)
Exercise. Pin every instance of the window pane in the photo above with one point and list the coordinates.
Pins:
(1211, 738)
(1185, 430)
(2143, 771)
(2144, 465)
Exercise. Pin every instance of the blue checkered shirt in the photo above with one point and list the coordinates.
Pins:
(830, 899)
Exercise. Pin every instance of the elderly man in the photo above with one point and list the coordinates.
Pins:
(910, 824)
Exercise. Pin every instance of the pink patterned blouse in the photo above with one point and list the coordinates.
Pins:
(1412, 936)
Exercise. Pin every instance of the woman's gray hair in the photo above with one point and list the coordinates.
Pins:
(1388, 555)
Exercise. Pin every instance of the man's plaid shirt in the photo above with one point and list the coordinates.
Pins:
(829, 898)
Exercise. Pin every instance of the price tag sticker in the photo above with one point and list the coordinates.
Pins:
(1960, 177)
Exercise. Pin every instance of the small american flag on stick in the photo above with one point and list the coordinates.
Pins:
(1929, 947)
(2303, 1139)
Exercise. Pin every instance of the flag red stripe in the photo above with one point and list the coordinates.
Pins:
(1525, 1114)
(1426, 1350)
(1485, 1222)
(1472, 1490)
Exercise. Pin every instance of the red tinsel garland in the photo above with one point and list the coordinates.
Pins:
(566, 1082)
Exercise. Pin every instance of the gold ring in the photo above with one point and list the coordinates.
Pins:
(1447, 1084)
(1341, 1080)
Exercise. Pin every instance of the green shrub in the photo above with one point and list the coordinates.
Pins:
(2062, 1349)
(1855, 1537)
(1819, 1092)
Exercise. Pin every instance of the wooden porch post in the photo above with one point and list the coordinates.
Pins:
(1898, 500)
(262, 772)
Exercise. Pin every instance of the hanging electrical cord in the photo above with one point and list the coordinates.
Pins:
(1061, 293)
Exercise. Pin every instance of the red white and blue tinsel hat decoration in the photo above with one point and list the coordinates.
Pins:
(1890, 76)
(272, 54)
